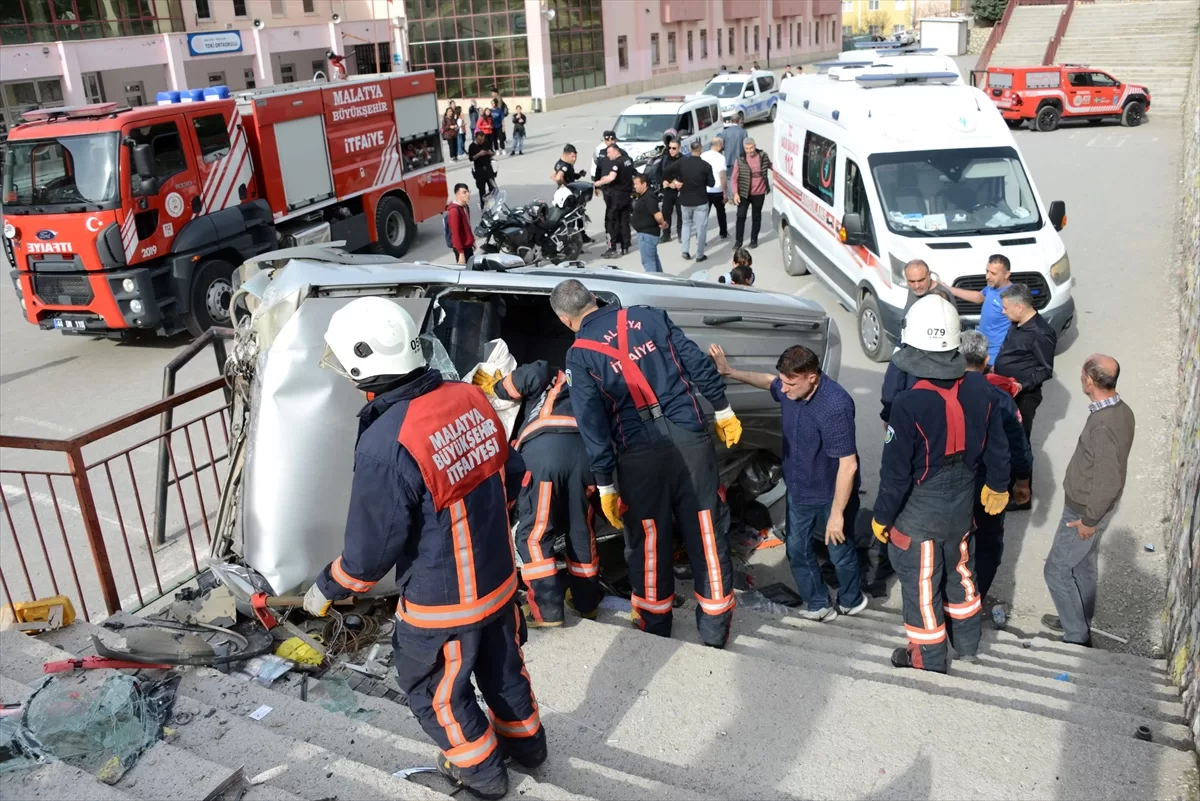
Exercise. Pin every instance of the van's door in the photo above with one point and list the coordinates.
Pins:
(706, 118)
(685, 129)
(857, 200)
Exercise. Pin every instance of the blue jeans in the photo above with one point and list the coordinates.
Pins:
(462, 144)
(648, 248)
(806, 522)
(695, 217)
(518, 143)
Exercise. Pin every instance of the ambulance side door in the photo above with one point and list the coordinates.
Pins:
(161, 200)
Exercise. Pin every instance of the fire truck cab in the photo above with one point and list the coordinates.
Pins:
(119, 219)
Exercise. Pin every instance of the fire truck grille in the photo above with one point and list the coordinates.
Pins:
(62, 290)
(1036, 283)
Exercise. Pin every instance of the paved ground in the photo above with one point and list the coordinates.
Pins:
(1120, 187)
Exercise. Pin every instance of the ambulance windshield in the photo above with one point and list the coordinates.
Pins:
(955, 192)
(69, 173)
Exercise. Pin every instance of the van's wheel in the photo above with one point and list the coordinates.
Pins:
(793, 263)
(1047, 119)
(212, 289)
(871, 336)
(771, 113)
(1134, 114)
(395, 227)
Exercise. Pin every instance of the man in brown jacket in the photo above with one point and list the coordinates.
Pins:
(1093, 484)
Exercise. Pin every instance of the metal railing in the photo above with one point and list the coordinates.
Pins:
(96, 503)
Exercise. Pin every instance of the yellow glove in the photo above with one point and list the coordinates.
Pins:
(315, 602)
(486, 382)
(729, 428)
(993, 502)
(881, 531)
(610, 502)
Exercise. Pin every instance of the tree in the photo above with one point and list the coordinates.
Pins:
(990, 10)
(878, 22)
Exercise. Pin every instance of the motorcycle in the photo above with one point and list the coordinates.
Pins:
(538, 231)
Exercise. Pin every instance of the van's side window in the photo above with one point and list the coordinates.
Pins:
(820, 166)
(766, 83)
(857, 203)
(683, 124)
(704, 117)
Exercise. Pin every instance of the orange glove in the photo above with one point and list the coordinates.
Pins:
(881, 531)
(610, 502)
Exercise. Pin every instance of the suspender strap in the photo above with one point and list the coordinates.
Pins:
(956, 427)
(643, 396)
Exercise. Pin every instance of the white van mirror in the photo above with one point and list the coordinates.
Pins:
(748, 93)
(852, 231)
(1058, 214)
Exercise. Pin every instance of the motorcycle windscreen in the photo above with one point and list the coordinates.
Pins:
(300, 452)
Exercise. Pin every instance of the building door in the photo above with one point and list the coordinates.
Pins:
(93, 87)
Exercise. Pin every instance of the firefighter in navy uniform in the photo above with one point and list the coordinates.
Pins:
(634, 381)
(557, 494)
(939, 432)
(428, 499)
(614, 178)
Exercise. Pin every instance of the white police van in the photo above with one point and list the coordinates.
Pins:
(877, 165)
(753, 93)
(640, 128)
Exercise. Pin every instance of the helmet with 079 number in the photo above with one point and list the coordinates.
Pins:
(370, 337)
(932, 325)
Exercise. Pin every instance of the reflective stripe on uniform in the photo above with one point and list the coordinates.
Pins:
(650, 559)
(965, 610)
(964, 571)
(541, 521)
(656, 607)
(464, 554)
(925, 586)
(522, 728)
(716, 587)
(510, 387)
(582, 570)
(343, 578)
(472, 753)
(925, 636)
(543, 568)
(719, 607)
(443, 696)
(445, 615)
(546, 418)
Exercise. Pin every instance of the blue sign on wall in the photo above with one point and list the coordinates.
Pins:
(214, 43)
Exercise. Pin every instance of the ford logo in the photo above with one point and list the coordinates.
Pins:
(46, 234)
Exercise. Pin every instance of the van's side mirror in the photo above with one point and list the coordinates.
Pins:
(1058, 214)
(748, 93)
(853, 231)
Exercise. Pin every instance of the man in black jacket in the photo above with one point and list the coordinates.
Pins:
(670, 188)
(694, 176)
(614, 178)
(1027, 357)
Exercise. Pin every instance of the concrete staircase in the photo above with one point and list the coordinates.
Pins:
(1029, 31)
(789, 709)
(1150, 43)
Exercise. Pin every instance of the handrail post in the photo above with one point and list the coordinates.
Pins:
(1059, 32)
(91, 527)
(997, 33)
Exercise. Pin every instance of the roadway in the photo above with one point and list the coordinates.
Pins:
(1120, 187)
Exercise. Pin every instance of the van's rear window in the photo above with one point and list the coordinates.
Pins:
(1042, 80)
(1000, 80)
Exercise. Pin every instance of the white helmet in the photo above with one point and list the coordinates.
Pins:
(370, 337)
(932, 325)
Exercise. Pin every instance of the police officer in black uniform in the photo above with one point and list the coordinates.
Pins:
(614, 177)
(940, 432)
(635, 380)
(564, 169)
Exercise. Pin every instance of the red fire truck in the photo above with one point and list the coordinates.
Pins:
(119, 219)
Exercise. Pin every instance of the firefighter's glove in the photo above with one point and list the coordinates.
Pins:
(880, 530)
(729, 428)
(315, 602)
(610, 502)
(993, 502)
(486, 381)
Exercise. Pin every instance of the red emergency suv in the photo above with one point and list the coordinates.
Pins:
(1047, 95)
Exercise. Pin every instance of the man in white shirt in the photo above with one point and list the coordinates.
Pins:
(717, 192)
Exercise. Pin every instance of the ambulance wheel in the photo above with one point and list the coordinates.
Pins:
(395, 227)
(1133, 115)
(1047, 119)
(871, 336)
(212, 289)
(793, 262)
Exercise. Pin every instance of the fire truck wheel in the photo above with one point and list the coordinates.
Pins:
(1133, 115)
(1047, 119)
(212, 289)
(394, 226)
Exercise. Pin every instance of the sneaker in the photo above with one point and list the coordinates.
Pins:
(1052, 622)
(496, 790)
(753, 243)
(687, 256)
(825, 615)
(701, 258)
(608, 254)
(853, 610)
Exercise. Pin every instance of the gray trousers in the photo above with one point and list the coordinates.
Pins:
(1070, 574)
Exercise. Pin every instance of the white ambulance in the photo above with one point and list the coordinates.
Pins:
(878, 165)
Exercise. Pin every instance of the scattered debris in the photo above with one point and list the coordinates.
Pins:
(217, 607)
(234, 785)
(261, 712)
(267, 775)
(1143, 733)
(265, 669)
(35, 617)
(1062, 677)
(1027, 644)
(96, 662)
(297, 650)
(1104, 633)
(615, 603)
(999, 617)
(333, 694)
(1149, 546)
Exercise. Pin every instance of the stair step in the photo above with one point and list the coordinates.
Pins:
(57, 781)
(760, 727)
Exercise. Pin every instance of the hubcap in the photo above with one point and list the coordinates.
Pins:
(1135, 115)
(868, 329)
(393, 228)
(216, 299)
(1047, 118)
(788, 256)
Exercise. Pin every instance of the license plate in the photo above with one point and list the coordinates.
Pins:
(69, 324)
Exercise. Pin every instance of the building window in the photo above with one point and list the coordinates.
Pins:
(847, 6)
(239, 8)
(691, 55)
(816, 28)
(287, 73)
(654, 55)
(309, 6)
(745, 39)
(473, 47)
(898, 28)
(576, 43)
(248, 77)
(202, 10)
(791, 34)
(731, 42)
(755, 38)
(704, 44)
(364, 58)
(216, 79)
(901, 5)
(778, 35)
(623, 52)
(671, 47)
(318, 65)
(872, 5)
(277, 9)
(28, 21)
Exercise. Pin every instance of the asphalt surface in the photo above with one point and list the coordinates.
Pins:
(1120, 187)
